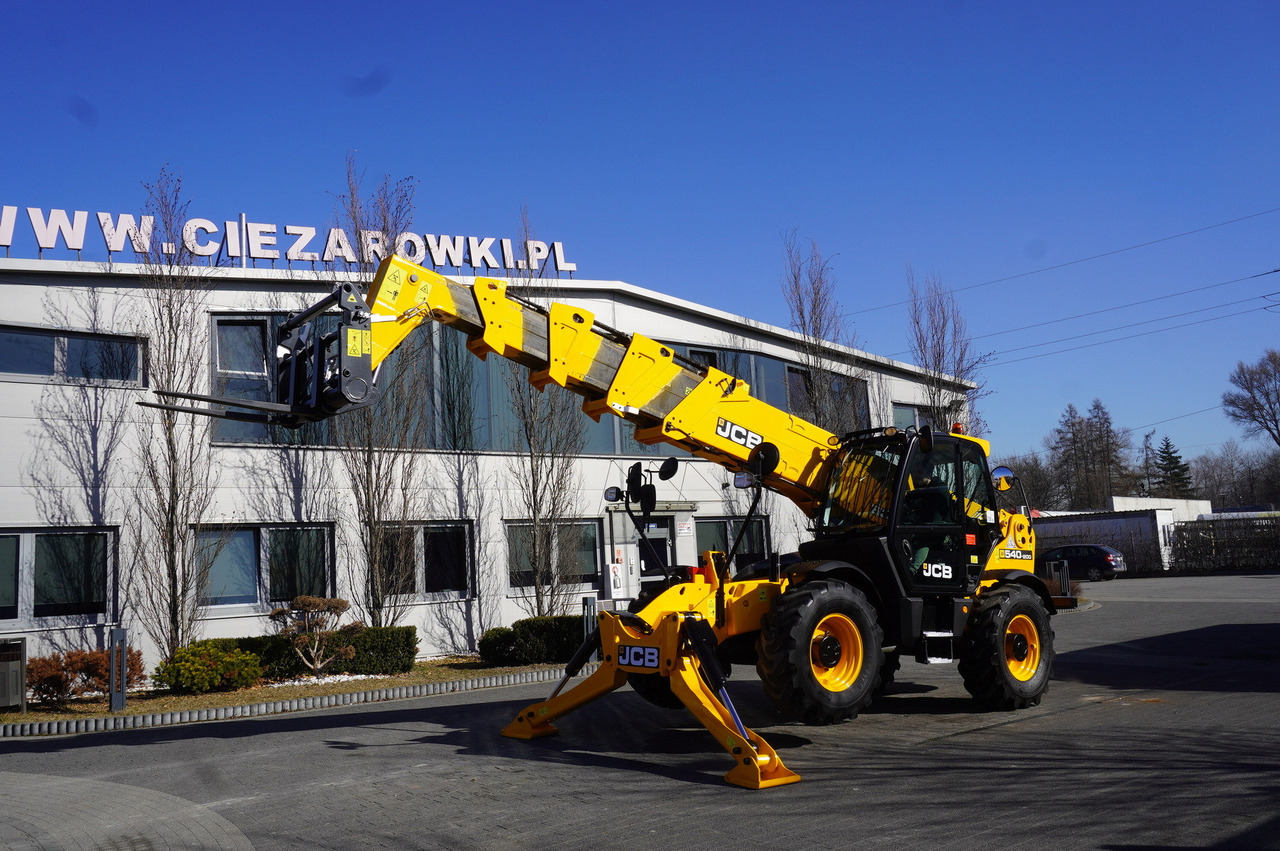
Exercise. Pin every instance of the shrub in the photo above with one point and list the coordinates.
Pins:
(310, 625)
(383, 650)
(48, 680)
(531, 641)
(201, 668)
(378, 650)
(498, 646)
(58, 677)
(93, 668)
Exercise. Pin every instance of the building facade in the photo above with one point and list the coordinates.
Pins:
(283, 508)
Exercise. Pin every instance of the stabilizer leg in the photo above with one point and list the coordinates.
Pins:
(759, 766)
(534, 721)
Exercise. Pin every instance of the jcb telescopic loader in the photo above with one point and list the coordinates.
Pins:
(911, 553)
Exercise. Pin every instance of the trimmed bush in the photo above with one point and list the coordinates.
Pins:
(498, 647)
(378, 650)
(531, 641)
(198, 669)
(382, 650)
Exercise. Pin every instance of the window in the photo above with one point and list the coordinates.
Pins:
(37, 354)
(297, 563)
(240, 372)
(8, 577)
(446, 557)
(265, 564)
(718, 534)
(54, 573)
(908, 416)
(572, 548)
(428, 558)
(233, 574)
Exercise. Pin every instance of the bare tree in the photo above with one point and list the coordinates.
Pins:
(82, 423)
(547, 434)
(176, 475)
(835, 390)
(1255, 403)
(380, 444)
(941, 345)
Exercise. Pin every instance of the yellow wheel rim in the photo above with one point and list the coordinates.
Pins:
(836, 653)
(1022, 648)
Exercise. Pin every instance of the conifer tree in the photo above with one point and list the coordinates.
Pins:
(1173, 474)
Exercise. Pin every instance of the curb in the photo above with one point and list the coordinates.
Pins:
(252, 710)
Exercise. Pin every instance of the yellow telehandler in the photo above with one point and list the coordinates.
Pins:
(911, 552)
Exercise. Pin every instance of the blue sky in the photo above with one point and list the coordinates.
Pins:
(671, 145)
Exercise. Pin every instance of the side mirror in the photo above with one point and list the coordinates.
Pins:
(742, 481)
(648, 500)
(1003, 478)
(926, 439)
(635, 478)
(763, 460)
(668, 468)
(613, 494)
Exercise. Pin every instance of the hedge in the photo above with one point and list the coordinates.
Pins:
(379, 650)
(532, 641)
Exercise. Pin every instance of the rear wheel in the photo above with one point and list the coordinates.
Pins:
(1006, 656)
(1094, 574)
(820, 652)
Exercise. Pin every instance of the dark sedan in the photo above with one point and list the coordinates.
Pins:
(1087, 561)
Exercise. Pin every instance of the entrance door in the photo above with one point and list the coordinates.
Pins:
(655, 559)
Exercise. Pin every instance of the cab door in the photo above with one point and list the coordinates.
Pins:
(929, 539)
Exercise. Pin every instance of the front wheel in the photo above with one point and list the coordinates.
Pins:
(1006, 655)
(820, 652)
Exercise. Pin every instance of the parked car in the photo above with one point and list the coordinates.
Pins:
(1087, 561)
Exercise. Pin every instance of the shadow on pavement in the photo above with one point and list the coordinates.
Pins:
(1226, 657)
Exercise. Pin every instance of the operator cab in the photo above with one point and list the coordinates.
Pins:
(927, 499)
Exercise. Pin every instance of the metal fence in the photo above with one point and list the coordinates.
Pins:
(1249, 543)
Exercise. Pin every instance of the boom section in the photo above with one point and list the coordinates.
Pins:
(668, 399)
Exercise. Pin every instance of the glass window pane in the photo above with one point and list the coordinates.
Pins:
(398, 560)
(579, 551)
(771, 381)
(520, 555)
(101, 359)
(70, 574)
(8, 576)
(242, 346)
(233, 575)
(904, 416)
(446, 558)
(297, 560)
(712, 535)
(26, 353)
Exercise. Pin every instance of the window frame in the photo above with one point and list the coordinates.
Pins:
(728, 522)
(419, 529)
(596, 523)
(61, 338)
(27, 613)
(262, 585)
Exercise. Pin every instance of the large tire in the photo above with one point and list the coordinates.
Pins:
(820, 652)
(1006, 655)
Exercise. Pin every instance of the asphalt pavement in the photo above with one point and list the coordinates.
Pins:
(1161, 729)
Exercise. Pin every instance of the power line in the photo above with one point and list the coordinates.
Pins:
(1137, 324)
(1111, 253)
(1129, 304)
(1125, 339)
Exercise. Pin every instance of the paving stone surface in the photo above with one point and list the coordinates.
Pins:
(1161, 730)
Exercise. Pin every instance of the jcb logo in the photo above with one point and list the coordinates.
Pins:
(738, 434)
(637, 657)
(937, 571)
